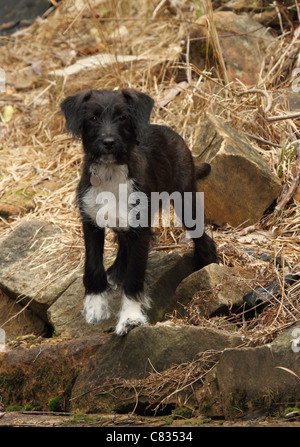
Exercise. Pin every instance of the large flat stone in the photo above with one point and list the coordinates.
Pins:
(123, 360)
(35, 374)
(241, 186)
(249, 379)
(218, 290)
(22, 273)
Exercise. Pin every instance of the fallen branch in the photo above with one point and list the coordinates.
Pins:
(261, 92)
(247, 230)
(284, 117)
(289, 194)
(172, 93)
(261, 140)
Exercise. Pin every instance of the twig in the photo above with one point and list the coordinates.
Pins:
(158, 7)
(298, 10)
(189, 383)
(233, 34)
(188, 70)
(75, 19)
(270, 143)
(279, 16)
(283, 117)
(136, 400)
(289, 194)
(261, 92)
(288, 370)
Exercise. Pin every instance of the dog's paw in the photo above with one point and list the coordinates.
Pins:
(131, 316)
(95, 307)
(123, 327)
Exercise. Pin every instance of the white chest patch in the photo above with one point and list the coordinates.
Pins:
(107, 203)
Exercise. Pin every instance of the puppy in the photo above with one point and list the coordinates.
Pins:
(121, 148)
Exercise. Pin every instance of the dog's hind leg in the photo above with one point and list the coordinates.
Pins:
(95, 304)
(205, 251)
(133, 300)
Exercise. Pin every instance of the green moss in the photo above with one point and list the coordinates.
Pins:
(203, 421)
(56, 404)
(14, 408)
(83, 419)
(182, 412)
(33, 406)
(290, 409)
(11, 387)
(237, 401)
(205, 406)
(169, 420)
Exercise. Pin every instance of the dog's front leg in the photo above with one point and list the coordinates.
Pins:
(95, 305)
(133, 298)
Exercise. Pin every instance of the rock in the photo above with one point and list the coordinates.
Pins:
(22, 274)
(241, 5)
(17, 321)
(294, 101)
(19, 13)
(241, 185)
(34, 375)
(242, 40)
(252, 378)
(16, 209)
(111, 379)
(219, 289)
(164, 273)
(261, 297)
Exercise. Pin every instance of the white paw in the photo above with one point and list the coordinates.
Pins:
(131, 315)
(95, 307)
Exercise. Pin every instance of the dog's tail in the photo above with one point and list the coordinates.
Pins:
(202, 170)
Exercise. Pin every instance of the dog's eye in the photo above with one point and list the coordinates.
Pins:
(122, 118)
(93, 118)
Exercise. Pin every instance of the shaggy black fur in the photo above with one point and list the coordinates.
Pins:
(114, 128)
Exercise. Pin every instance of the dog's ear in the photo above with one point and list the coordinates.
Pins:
(141, 106)
(71, 108)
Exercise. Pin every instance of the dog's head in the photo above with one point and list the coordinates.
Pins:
(109, 122)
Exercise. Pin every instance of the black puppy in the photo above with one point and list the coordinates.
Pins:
(122, 148)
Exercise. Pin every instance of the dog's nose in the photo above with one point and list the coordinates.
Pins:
(108, 142)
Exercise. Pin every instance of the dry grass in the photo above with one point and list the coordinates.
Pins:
(40, 163)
